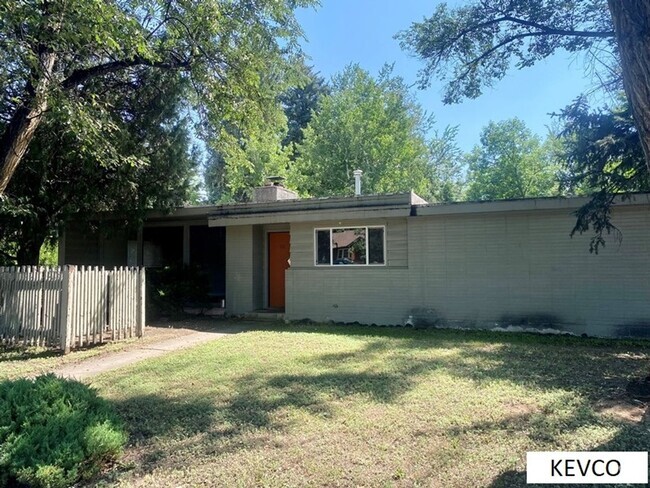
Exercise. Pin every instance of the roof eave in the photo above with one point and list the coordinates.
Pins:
(529, 204)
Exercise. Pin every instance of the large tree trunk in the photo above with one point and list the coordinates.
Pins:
(20, 131)
(29, 250)
(632, 25)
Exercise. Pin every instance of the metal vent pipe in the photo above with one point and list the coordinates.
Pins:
(357, 182)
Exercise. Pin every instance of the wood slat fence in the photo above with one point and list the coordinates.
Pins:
(70, 306)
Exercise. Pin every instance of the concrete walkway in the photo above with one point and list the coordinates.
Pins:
(110, 361)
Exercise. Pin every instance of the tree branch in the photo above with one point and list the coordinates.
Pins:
(79, 76)
(542, 28)
(485, 54)
(560, 32)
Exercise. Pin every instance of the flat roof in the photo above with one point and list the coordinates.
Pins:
(312, 209)
(523, 204)
(367, 206)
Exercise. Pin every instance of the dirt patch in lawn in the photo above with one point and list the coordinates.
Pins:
(622, 409)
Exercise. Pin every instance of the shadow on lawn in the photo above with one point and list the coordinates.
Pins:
(255, 402)
(244, 420)
(628, 438)
(385, 367)
(23, 354)
(252, 404)
(593, 369)
(592, 373)
(155, 415)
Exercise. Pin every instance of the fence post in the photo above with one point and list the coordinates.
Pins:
(66, 307)
(139, 331)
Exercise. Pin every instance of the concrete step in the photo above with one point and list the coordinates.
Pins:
(271, 316)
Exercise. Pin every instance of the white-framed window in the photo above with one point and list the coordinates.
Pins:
(351, 246)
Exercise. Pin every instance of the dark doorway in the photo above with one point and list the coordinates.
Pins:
(162, 246)
(208, 254)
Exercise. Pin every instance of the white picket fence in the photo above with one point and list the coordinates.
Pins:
(70, 306)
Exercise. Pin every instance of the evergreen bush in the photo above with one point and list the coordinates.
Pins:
(55, 432)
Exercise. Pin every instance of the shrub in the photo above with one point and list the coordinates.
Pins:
(173, 287)
(54, 432)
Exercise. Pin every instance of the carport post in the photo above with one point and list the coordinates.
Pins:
(139, 329)
(186, 244)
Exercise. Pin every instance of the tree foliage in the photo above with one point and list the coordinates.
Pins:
(510, 162)
(237, 54)
(232, 170)
(474, 45)
(147, 155)
(446, 165)
(602, 157)
(300, 102)
(370, 124)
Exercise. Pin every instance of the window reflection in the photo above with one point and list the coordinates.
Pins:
(323, 247)
(349, 246)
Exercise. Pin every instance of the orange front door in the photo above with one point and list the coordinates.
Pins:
(278, 263)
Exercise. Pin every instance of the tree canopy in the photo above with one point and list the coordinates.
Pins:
(236, 53)
(59, 178)
(370, 124)
(300, 102)
(510, 162)
(474, 45)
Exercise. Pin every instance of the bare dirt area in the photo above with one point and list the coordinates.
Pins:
(623, 409)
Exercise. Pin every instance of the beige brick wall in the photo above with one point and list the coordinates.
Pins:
(479, 269)
(240, 260)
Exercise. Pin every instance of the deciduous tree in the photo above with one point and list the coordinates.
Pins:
(510, 162)
(370, 124)
(147, 155)
(235, 52)
(474, 45)
(232, 170)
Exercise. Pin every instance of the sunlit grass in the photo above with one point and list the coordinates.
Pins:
(361, 406)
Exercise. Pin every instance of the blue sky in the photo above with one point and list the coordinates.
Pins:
(340, 32)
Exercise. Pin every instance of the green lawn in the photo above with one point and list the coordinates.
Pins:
(361, 406)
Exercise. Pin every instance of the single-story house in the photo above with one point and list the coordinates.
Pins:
(396, 260)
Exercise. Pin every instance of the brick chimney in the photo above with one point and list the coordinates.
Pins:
(273, 191)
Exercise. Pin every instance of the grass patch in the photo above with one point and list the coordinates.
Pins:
(361, 406)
